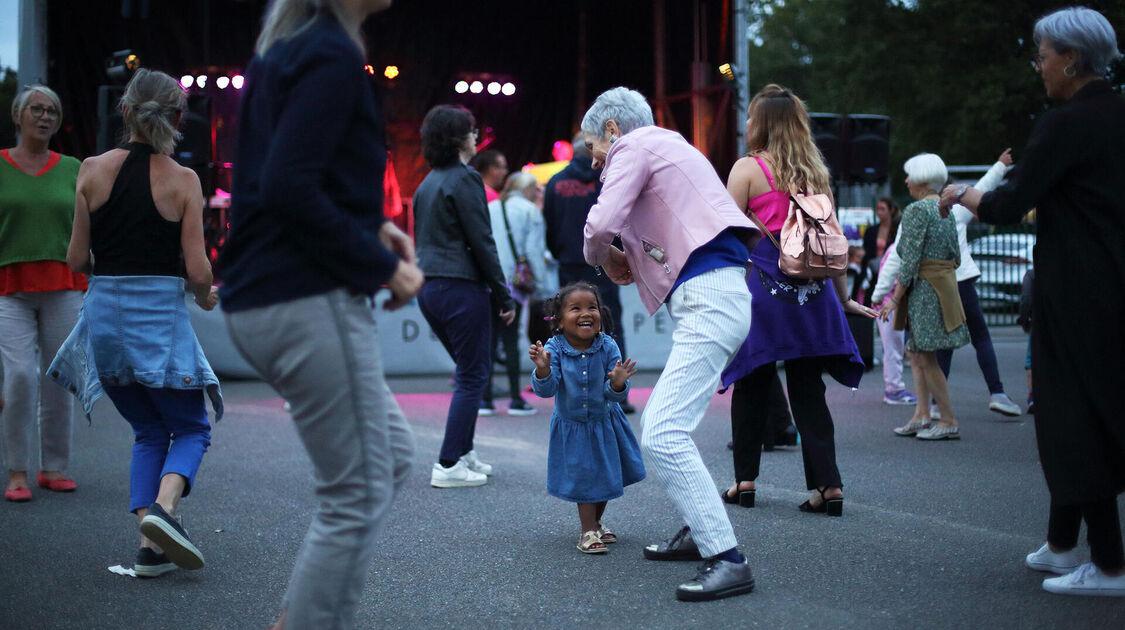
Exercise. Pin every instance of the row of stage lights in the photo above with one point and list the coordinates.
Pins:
(222, 83)
(493, 88)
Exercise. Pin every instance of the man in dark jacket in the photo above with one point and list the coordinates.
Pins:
(569, 196)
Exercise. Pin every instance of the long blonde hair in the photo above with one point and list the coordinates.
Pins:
(288, 18)
(779, 126)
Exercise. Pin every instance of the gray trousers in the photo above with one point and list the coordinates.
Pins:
(321, 355)
(32, 328)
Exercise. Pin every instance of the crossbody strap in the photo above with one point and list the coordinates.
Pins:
(762, 228)
(508, 228)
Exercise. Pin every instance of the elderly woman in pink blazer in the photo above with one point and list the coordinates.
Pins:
(683, 242)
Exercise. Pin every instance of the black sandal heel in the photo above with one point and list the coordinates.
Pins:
(831, 507)
(744, 498)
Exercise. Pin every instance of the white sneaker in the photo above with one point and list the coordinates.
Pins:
(1051, 562)
(473, 462)
(939, 432)
(1086, 580)
(457, 476)
(1000, 403)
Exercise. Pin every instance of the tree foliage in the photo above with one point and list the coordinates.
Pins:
(954, 75)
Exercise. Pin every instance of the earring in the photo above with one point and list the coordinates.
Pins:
(1070, 71)
(612, 138)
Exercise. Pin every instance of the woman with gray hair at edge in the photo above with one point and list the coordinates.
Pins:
(1071, 171)
(683, 240)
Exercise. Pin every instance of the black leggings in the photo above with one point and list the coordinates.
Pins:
(508, 336)
(1103, 531)
(749, 414)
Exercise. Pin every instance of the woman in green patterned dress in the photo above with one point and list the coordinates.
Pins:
(926, 297)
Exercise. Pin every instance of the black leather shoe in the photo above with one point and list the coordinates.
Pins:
(717, 579)
(628, 407)
(678, 547)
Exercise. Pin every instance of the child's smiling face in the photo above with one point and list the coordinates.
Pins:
(581, 319)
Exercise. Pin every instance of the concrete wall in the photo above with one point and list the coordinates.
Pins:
(409, 346)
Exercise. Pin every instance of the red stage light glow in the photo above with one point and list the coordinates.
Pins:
(562, 151)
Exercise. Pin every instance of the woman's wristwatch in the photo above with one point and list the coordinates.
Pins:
(961, 191)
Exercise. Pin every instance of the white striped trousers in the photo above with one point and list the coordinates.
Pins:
(711, 313)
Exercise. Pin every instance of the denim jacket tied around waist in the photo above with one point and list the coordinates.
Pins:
(133, 329)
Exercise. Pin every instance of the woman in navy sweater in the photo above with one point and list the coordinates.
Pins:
(308, 248)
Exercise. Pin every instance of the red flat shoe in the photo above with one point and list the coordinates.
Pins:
(62, 484)
(18, 495)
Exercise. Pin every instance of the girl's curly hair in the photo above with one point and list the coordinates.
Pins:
(552, 306)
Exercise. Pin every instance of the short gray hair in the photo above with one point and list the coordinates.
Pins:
(628, 108)
(928, 169)
(579, 144)
(19, 103)
(1084, 31)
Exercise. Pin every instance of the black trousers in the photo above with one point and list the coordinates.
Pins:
(508, 336)
(1103, 531)
(750, 414)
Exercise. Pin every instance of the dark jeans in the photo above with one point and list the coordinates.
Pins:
(814, 422)
(1103, 531)
(978, 333)
(610, 292)
(508, 336)
(455, 310)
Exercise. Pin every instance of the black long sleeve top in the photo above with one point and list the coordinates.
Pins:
(307, 195)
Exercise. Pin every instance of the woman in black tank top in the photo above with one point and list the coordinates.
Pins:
(134, 324)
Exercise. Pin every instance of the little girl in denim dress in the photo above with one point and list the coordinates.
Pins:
(593, 453)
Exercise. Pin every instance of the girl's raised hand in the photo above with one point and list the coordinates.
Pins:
(621, 373)
(541, 357)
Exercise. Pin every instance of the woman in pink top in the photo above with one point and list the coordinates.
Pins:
(800, 322)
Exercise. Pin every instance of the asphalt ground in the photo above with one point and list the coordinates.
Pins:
(933, 534)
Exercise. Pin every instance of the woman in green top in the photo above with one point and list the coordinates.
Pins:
(39, 295)
(927, 282)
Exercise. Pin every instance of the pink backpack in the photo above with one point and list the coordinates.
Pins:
(813, 245)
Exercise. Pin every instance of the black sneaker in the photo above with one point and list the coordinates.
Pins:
(150, 564)
(519, 407)
(678, 547)
(717, 579)
(628, 407)
(159, 527)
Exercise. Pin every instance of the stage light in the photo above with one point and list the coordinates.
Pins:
(121, 65)
(390, 72)
(186, 81)
(222, 82)
(508, 89)
(461, 87)
(727, 71)
(201, 81)
(236, 81)
(493, 88)
(476, 87)
(370, 69)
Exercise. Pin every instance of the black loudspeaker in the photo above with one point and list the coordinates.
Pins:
(194, 148)
(109, 117)
(829, 133)
(869, 148)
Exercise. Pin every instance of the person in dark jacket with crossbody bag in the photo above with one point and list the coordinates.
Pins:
(464, 282)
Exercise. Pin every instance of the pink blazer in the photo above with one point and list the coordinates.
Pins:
(664, 200)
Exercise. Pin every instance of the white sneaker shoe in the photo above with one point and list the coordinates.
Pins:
(1000, 403)
(473, 462)
(1086, 580)
(456, 476)
(1051, 562)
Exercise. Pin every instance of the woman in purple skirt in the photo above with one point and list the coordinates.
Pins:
(800, 322)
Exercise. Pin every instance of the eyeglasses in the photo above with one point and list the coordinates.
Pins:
(1037, 62)
(39, 111)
